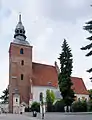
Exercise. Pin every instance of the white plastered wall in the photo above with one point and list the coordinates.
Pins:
(81, 96)
(38, 89)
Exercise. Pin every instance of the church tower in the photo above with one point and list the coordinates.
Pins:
(20, 68)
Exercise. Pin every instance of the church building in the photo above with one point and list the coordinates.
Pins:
(28, 79)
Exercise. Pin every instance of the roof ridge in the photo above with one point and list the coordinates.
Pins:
(76, 77)
(43, 64)
(84, 85)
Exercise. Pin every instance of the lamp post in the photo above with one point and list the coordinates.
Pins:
(42, 103)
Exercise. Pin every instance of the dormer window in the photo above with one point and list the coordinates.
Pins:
(49, 83)
(21, 51)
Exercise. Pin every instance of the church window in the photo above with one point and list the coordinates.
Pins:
(17, 31)
(24, 32)
(41, 96)
(78, 99)
(16, 100)
(83, 98)
(20, 31)
(22, 62)
(22, 76)
(21, 51)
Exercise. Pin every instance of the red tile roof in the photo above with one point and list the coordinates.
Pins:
(44, 75)
(79, 86)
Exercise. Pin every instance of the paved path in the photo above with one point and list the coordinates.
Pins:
(48, 116)
(61, 116)
(15, 117)
(64, 116)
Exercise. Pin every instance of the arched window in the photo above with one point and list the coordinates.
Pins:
(22, 76)
(21, 51)
(41, 96)
(16, 100)
(22, 62)
(17, 31)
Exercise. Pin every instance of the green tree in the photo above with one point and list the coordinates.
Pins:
(50, 98)
(5, 97)
(88, 27)
(64, 78)
(90, 93)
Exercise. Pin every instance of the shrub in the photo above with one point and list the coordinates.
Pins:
(59, 106)
(50, 98)
(35, 107)
(79, 106)
(27, 109)
(49, 107)
(90, 106)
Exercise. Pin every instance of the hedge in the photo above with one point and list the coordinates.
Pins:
(90, 106)
(58, 106)
(79, 106)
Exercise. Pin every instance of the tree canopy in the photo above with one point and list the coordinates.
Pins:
(5, 97)
(64, 78)
(90, 93)
(88, 27)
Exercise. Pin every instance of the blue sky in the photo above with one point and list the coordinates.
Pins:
(47, 23)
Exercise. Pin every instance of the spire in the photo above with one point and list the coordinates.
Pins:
(19, 35)
(20, 18)
(20, 30)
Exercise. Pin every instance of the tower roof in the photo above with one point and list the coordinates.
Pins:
(20, 37)
(19, 25)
